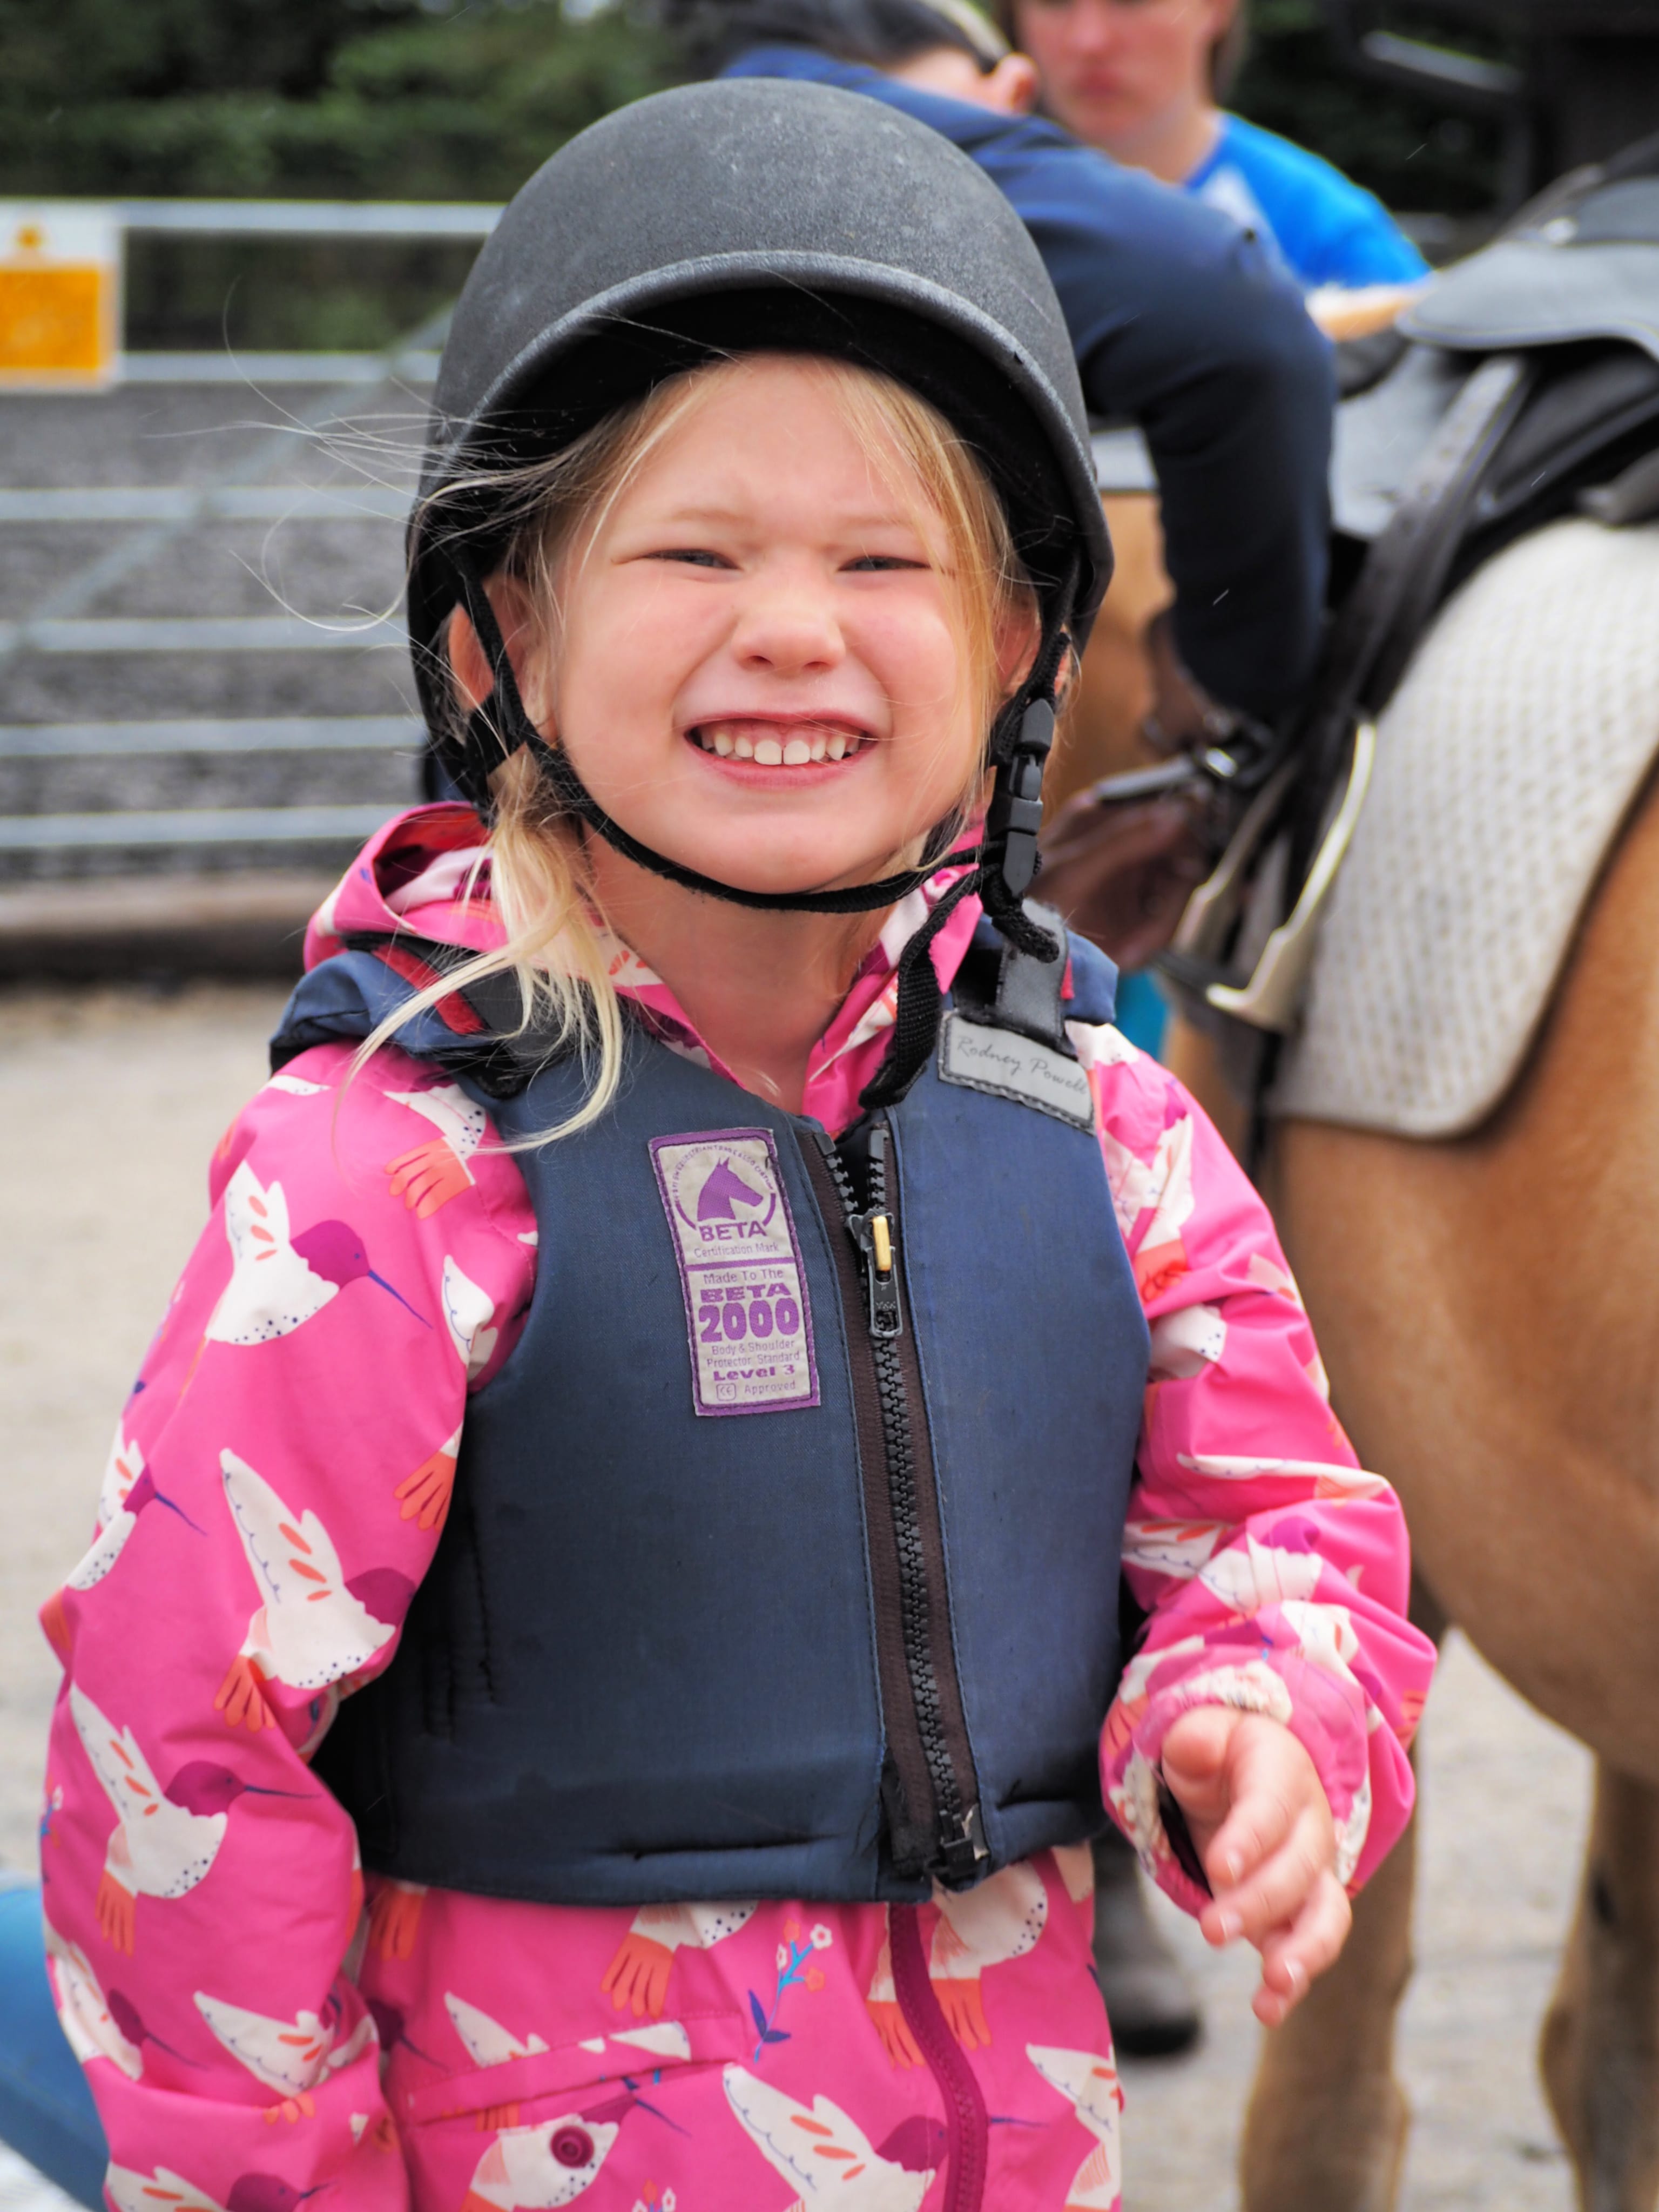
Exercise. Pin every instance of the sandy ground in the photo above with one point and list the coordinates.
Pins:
(111, 1104)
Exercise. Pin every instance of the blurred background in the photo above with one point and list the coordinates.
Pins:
(427, 100)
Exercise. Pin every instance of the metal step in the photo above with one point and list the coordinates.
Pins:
(154, 735)
(80, 634)
(93, 797)
(269, 733)
(249, 923)
(188, 503)
(223, 838)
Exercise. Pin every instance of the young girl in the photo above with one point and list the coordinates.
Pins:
(645, 1445)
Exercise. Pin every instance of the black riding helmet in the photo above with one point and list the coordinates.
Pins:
(736, 217)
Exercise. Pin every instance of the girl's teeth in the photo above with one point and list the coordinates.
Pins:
(772, 752)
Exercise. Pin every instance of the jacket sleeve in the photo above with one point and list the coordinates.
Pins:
(277, 1485)
(1271, 1570)
(1188, 326)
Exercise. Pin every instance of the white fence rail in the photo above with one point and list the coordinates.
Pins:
(283, 779)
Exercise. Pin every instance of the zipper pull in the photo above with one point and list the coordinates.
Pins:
(876, 1235)
(963, 1849)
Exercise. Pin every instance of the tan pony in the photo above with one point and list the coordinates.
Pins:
(1488, 1306)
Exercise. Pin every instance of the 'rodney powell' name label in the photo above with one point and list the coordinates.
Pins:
(1009, 1066)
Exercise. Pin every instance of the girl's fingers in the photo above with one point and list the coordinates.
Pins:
(1293, 1959)
(1273, 1893)
(1264, 1813)
(1241, 1780)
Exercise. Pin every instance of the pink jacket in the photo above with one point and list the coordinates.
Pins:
(274, 1494)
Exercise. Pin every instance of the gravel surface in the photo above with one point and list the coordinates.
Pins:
(112, 1103)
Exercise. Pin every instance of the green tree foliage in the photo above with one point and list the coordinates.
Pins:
(349, 99)
(1410, 151)
(461, 100)
(421, 99)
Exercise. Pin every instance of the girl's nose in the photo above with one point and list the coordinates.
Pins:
(787, 625)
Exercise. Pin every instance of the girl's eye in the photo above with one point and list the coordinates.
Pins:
(880, 563)
(694, 557)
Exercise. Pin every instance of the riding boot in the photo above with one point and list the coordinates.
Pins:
(1149, 2000)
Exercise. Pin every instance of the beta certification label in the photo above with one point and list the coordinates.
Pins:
(746, 1312)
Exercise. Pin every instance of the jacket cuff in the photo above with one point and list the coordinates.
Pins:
(1332, 1722)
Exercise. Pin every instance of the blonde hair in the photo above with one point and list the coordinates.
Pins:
(554, 509)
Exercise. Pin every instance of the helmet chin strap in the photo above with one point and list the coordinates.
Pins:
(1002, 867)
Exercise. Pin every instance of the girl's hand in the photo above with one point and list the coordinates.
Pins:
(1261, 1824)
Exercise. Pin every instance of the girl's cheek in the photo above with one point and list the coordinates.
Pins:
(914, 650)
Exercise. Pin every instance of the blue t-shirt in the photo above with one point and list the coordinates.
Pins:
(1328, 230)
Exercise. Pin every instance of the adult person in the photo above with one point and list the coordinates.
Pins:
(1144, 80)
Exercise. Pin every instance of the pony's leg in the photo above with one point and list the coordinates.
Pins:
(1326, 2128)
(1600, 2048)
(1326, 2124)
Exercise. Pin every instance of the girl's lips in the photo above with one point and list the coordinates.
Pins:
(779, 743)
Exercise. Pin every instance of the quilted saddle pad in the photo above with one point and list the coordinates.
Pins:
(1507, 761)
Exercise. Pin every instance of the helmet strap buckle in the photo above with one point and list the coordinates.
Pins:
(1015, 815)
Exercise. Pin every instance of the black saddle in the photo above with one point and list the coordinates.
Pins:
(1570, 291)
(1523, 385)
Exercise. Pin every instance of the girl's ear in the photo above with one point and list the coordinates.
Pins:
(1019, 635)
(468, 664)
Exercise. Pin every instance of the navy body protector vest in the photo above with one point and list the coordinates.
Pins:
(783, 1558)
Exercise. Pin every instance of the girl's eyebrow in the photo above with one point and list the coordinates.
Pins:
(740, 517)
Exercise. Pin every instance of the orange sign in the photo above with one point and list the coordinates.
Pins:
(60, 297)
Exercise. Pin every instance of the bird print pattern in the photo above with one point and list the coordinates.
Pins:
(311, 1626)
(260, 2027)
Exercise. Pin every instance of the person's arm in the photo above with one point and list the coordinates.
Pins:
(1187, 325)
(1271, 1571)
(277, 1486)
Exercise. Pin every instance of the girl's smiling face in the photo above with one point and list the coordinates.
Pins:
(760, 665)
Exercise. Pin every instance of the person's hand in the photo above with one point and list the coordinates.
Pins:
(1261, 1826)
(1122, 874)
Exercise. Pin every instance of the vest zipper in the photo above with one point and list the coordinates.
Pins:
(958, 1851)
